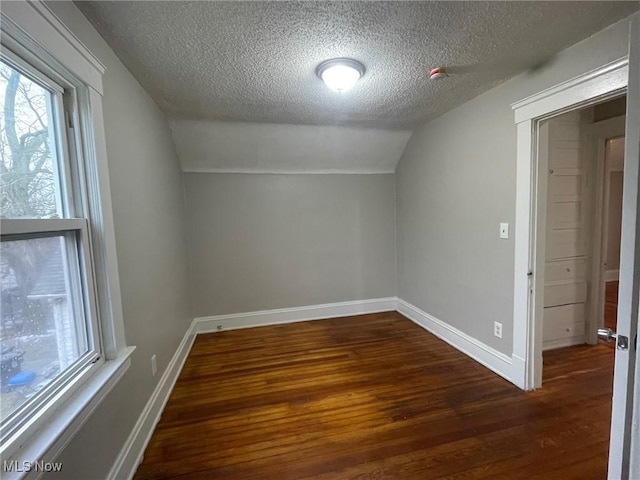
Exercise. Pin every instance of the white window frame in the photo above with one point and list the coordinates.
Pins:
(36, 37)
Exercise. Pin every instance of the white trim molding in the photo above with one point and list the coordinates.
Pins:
(261, 171)
(291, 315)
(606, 82)
(611, 275)
(131, 454)
(491, 358)
(563, 342)
(603, 81)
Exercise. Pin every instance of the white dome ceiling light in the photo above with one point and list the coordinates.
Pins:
(340, 74)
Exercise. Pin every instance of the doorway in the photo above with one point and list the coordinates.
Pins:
(580, 158)
(607, 82)
(593, 88)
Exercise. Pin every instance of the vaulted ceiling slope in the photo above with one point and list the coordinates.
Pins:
(244, 147)
(255, 61)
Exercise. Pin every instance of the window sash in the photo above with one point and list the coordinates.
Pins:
(32, 408)
(59, 103)
(29, 71)
(26, 226)
(75, 232)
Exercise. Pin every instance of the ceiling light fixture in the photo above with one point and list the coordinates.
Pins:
(340, 74)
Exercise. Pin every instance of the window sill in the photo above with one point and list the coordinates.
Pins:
(48, 440)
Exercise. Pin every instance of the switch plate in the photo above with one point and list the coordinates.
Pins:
(497, 329)
(504, 230)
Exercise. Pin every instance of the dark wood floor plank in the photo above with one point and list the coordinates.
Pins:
(375, 397)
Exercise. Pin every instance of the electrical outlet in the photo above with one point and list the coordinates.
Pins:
(154, 367)
(497, 329)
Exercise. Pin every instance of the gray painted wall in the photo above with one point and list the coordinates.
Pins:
(455, 183)
(260, 242)
(148, 207)
(243, 147)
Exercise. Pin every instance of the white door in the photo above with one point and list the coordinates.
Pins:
(565, 268)
(624, 450)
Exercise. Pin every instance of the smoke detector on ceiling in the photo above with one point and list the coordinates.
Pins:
(438, 74)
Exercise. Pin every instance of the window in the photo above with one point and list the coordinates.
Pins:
(49, 329)
(62, 344)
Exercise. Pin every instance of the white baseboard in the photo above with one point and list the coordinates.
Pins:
(291, 315)
(611, 275)
(563, 342)
(480, 352)
(131, 453)
(519, 372)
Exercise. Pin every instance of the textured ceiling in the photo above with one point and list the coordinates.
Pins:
(255, 61)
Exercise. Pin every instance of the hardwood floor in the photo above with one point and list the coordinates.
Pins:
(611, 305)
(375, 397)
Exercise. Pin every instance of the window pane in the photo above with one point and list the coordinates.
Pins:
(41, 333)
(29, 186)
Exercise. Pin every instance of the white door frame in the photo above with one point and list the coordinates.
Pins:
(606, 82)
(600, 132)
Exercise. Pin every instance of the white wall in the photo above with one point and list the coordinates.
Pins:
(260, 242)
(148, 207)
(456, 182)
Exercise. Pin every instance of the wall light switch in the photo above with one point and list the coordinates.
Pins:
(504, 230)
